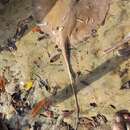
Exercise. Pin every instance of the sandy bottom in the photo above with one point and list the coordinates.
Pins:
(99, 81)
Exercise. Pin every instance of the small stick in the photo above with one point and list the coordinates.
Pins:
(121, 43)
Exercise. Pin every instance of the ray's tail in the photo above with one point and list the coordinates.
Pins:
(72, 81)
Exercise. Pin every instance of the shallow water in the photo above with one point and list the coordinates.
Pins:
(99, 70)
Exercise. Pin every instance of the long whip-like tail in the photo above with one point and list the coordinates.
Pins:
(72, 83)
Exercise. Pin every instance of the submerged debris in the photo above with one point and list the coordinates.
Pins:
(93, 122)
(10, 45)
(54, 89)
(28, 85)
(43, 82)
(126, 85)
(55, 56)
(44, 36)
(2, 84)
(121, 120)
(4, 1)
(123, 72)
(112, 106)
(3, 4)
(41, 104)
(93, 104)
(67, 113)
(22, 27)
(86, 122)
(122, 52)
(99, 119)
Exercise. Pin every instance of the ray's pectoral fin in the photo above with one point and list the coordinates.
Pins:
(90, 15)
(41, 8)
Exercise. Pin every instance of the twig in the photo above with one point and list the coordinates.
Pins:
(38, 107)
(121, 43)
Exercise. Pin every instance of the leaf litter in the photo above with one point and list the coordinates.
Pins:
(85, 25)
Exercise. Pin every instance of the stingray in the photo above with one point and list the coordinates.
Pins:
(69, 22)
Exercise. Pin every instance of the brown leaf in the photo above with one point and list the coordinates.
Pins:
(36, 29)
(44, 103)
(2, 84)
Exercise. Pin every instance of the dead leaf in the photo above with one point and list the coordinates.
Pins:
(44, 103)
(36, 29)
(2, 84)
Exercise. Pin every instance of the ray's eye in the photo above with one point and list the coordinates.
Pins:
(57, 28)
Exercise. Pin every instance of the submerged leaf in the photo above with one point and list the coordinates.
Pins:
(41, 104)
(2, 84)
